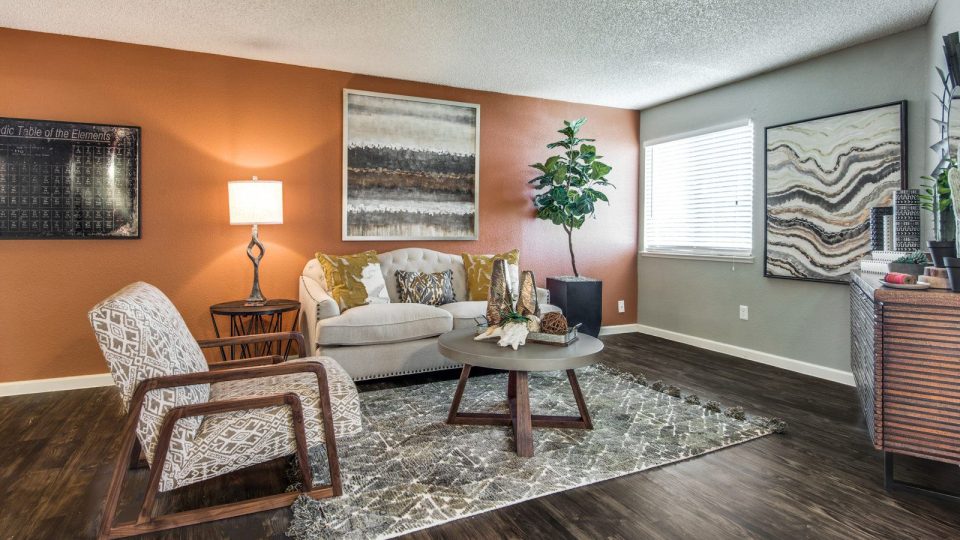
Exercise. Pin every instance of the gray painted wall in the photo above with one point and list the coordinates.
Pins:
(945, 19)
(798, 320)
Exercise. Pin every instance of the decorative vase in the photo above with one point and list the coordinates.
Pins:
(953, 272)
(939, 249)
(498, 299)
(580, 299)
(527, 303)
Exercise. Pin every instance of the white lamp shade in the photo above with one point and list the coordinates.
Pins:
(256, 202)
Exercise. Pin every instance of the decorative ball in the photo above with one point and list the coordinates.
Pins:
(553, 323)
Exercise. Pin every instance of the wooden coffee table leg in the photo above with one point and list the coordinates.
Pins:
(581, 404)
(512, 385)
(522, 422)
(458, 395)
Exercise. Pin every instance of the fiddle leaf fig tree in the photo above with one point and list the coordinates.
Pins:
(569, 183)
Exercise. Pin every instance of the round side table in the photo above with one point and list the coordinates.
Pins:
(246, 320)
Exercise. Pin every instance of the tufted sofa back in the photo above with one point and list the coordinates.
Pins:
(422, 260)
(412, 259)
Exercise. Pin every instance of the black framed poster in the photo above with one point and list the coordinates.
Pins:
(63, 180)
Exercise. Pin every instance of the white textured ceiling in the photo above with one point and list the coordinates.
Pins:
(621, 53)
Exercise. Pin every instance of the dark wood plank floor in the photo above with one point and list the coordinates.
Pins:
(821, 480)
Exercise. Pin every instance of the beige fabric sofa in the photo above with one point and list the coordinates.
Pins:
(383, 340)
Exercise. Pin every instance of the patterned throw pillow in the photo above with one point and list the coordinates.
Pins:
(354, 280)
(422, 288)
(479, 267)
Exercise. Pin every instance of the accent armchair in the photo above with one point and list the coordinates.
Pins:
(189, 422)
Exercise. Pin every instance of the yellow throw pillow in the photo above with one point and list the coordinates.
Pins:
(344, 276)
(479, 267)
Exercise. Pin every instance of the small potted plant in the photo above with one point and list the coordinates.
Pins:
(568, 189)
(936, 198)
(913, 264)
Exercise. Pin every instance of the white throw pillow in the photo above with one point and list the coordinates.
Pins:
(372, 279)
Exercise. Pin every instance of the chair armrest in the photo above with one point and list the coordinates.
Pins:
(230, 405)
(543, 296)
(317, 305)
(246, 362)
(255, 338)
(223, 375)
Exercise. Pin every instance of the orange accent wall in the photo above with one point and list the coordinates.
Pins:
(208, 119)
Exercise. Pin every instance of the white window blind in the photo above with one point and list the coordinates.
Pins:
(698, 194)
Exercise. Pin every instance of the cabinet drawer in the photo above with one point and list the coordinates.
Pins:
(920, 374)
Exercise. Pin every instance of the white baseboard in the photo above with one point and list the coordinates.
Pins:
(619, 329)
(37, 386)
(844, 377)
(790, 364)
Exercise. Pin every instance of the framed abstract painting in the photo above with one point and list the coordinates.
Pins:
(823, 175)
(411, 168)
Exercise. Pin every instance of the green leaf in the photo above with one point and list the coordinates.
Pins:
(560, 174)
(550, 164)
(599, 195)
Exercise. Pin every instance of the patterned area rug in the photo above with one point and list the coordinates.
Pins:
(409, 470)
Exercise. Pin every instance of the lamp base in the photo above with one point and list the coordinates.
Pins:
(256, 297)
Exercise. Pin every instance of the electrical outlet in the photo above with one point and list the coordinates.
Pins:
(621, 307)
(744, 313)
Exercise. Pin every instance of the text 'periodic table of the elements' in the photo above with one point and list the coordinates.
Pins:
(67, 180)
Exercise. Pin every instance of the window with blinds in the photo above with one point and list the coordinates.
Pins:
(698, 194)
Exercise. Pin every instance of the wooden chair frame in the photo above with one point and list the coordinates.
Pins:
(131, 456)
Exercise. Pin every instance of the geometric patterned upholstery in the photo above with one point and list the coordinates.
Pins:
(142, 335)
(230, 441)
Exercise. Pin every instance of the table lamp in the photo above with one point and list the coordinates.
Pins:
(255, 202)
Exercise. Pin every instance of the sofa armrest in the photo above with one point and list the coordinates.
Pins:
(543, 296)
(316, 306)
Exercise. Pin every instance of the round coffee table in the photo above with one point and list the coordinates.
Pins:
(460, 346)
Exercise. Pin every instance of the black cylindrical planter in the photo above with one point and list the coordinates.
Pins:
(953, 272)
(581, 300)
(940, 249)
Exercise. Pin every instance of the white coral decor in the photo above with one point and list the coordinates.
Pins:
(514, 335)
(533, 323)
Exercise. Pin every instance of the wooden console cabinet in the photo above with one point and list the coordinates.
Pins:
(905, 357)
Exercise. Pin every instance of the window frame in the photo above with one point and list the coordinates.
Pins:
(694, 255)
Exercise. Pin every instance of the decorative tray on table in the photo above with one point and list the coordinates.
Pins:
(562, 340)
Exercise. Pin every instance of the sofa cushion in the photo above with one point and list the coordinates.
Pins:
(464, 313)
(479, 268)
(353, 280)
(383, 323)
(423, 288)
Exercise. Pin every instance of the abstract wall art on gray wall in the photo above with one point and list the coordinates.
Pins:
(823, 176)
(410, 168)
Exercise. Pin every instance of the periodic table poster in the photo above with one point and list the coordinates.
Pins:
(68, 180)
